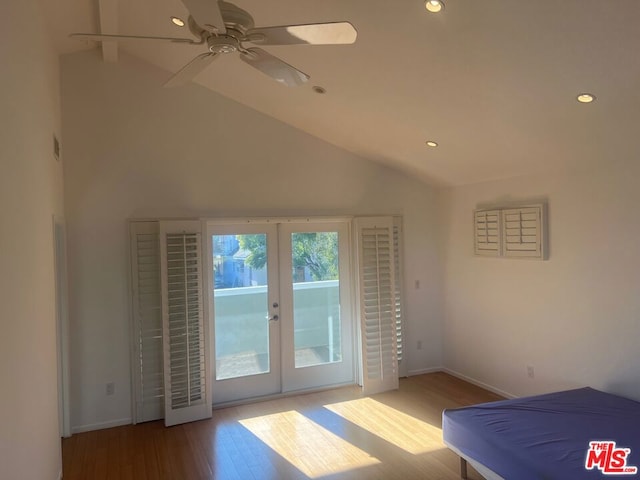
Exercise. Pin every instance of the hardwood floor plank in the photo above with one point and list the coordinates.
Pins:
(334, 435)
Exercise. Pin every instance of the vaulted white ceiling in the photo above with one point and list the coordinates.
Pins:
(494, 82)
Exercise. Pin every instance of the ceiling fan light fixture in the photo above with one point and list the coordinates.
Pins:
(586, 97)
(434, 6)
(431, 143)
(177, 21)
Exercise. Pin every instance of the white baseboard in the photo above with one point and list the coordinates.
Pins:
(478, 383)
(422, 371)
(101, 425)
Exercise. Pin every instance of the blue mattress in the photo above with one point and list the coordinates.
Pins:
(546, 436)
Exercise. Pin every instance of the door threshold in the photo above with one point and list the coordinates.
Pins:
(276, 396)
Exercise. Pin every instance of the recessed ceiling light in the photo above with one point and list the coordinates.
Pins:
(319, 89)
(586, 98)
(177, 21)
(431, 143)
(434, 6)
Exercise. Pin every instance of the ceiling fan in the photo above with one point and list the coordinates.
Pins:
(224, 28)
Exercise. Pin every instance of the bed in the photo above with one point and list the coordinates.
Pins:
(547, 436)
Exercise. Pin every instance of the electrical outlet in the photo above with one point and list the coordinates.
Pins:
(419, 346)
(110, 388)
(530, 372)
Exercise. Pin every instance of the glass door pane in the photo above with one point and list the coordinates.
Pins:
(316, 298)
(241, 305)
(317, 329)
(245, 307)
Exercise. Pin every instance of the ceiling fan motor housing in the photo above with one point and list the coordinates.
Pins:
(223, 43)
(236, 21)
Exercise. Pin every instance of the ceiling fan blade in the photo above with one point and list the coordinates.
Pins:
(191, 69)
(274, 67)
(315, 34)
(107, 38)
(207, 14)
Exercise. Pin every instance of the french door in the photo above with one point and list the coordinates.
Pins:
(280, 300)
(245, 308)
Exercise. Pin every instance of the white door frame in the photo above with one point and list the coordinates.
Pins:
(62, 322)
(243, 389)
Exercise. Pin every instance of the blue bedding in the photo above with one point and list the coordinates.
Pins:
(547, 436)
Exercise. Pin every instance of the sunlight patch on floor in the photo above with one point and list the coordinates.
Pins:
(309, 447)
(402, 430)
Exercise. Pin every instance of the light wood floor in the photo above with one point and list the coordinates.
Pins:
(336, 434)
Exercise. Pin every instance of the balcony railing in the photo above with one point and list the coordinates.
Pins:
(242, 327)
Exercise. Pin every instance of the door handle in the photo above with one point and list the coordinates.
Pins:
(275, 318)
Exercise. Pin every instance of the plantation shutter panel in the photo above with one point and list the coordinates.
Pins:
(487, 232)
(522, 229)
(185, 332)
(147, 321)
(377, 306)
(399, 303)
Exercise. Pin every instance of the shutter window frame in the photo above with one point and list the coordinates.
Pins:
(521, 232)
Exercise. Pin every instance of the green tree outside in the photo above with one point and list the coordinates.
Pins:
(317, 251)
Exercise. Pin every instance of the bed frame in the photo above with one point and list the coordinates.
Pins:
(544, 436)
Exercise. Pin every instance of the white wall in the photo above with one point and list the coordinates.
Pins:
(135, 149)
(582, 323)
(30, 193)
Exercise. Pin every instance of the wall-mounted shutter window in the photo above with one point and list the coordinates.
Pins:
(399, 303)
(511, 232)
(185, 333)
(522, 232)
(377, 306)
(487, 232)
(147, 321)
